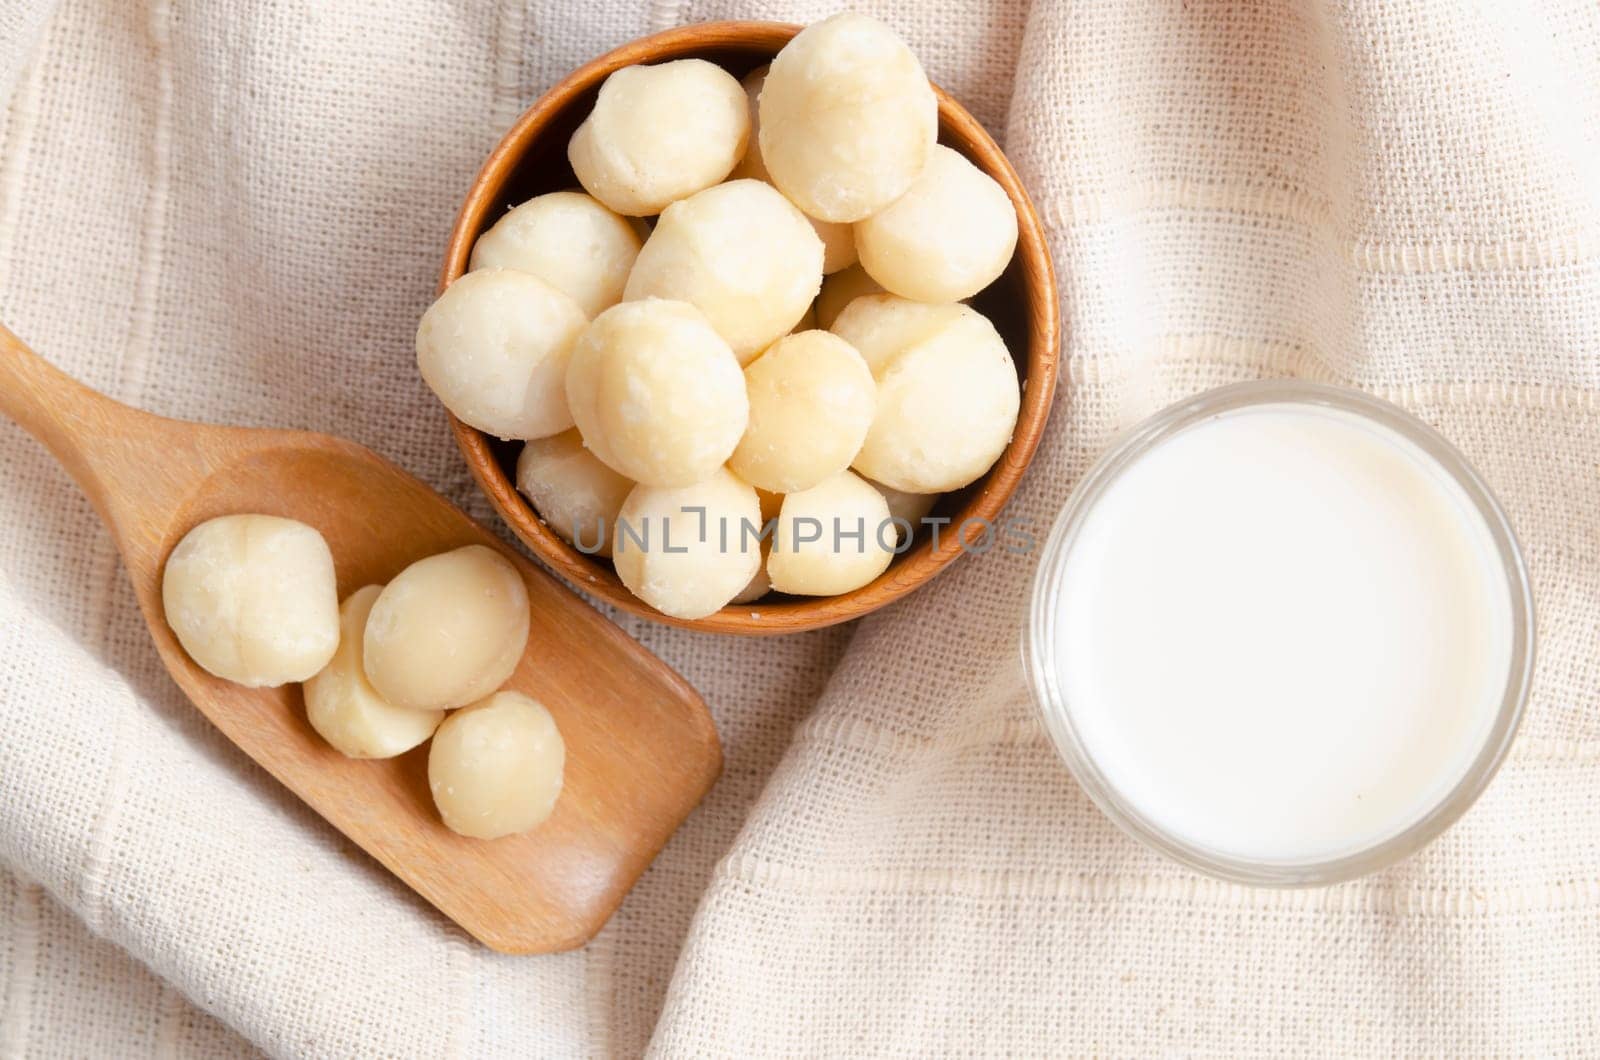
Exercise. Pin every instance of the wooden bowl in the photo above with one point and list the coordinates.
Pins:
(532, 159)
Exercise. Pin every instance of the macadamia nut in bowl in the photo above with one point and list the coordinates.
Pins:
(494, 347)
(693, 392)
(847, 118)
(838, 241)
(658, 134)
(831, 538)
(947, 392)
(811, 403)
(568, 240)
(573, 490)
(742, 255)
(656, 393)
(688, 551)
(947, 238)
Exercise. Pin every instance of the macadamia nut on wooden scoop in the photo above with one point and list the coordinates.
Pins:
(811, 404)
(346, 710)
(847, 118)
(253, 599)
(494, 347)
(656, 392)
(660, 133)
(741, 254)
(568, 240)
(447, 630)
(947, 392)
(689, 550)
(832, 538)
(946, 239)
(496, 767)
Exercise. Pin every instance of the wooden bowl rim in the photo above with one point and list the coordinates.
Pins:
(908, 571)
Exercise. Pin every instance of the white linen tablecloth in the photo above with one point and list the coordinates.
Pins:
(234, 212)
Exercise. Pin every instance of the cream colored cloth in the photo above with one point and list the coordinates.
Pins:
(234, 212)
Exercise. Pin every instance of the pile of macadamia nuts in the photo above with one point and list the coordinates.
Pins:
(770, 389)
(253, 600)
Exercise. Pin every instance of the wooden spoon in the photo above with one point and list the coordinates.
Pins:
(641, 748)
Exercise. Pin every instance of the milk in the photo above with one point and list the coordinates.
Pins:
(1283, 634)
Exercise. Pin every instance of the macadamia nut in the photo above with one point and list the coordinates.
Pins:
(688, 551)
(831, 538)
(811, 404)
(741, 254)
(494, 347)
(946, 239)
(847, 118)
(909, 508)
(883, 326)
(495, 768)
(838, 241)
(657, 393)
(447, 630)
(346, 710)
(761, 585)
(253, 599)
(660, 133)
(758, 586)
(839, 290)
(569, 241)
(947, 392)
(573, 490)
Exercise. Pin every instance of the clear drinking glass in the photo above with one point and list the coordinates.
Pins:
(1039, 643)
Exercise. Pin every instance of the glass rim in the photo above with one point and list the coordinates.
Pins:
(1039, 641)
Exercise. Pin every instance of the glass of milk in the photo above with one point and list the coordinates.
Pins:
(1282, 633)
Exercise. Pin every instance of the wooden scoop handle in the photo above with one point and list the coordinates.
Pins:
(134, 467)
(52, 406)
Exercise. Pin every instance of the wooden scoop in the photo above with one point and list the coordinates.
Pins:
(641, 748)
